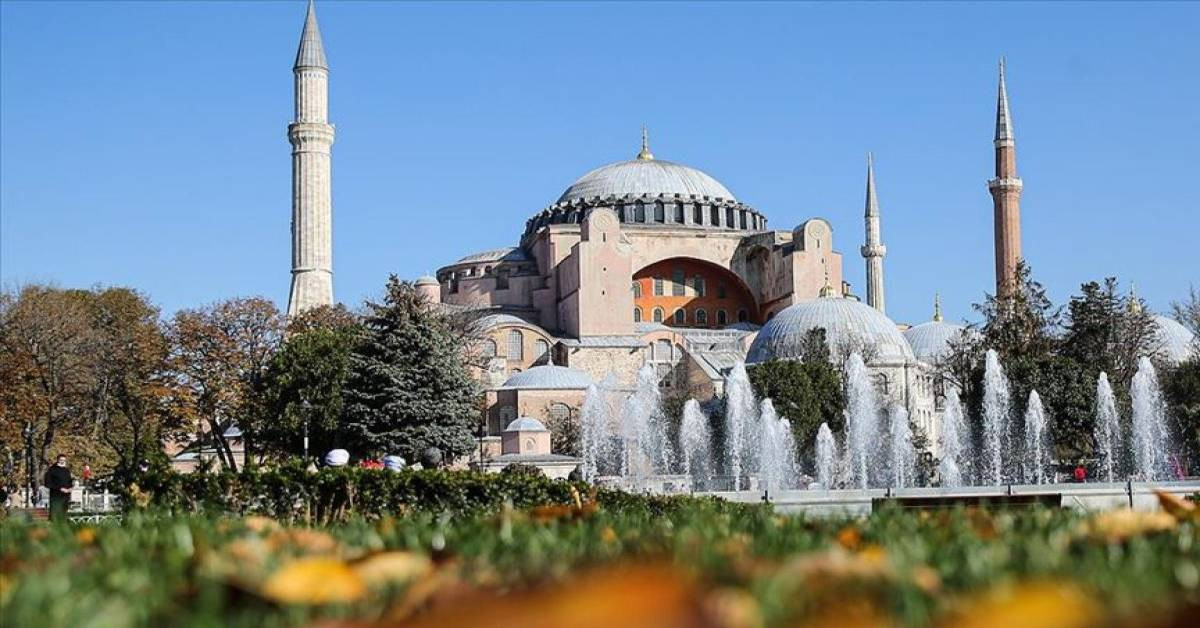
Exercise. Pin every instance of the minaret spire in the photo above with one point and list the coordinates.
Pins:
(937, 307)
(873, 250)
(311, 137)
(645, 154)
(1006, 194)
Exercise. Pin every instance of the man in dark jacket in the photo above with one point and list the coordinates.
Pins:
(58, 480)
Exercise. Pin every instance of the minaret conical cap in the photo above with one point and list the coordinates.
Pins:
(312, 51)
(1004, 130)
(937, 307)
(872, 208)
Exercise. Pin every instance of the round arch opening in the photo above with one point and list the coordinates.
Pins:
(692, 293)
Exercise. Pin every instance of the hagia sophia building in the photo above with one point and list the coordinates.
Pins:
(647, 261)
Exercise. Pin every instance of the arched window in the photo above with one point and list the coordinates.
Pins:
(658, 286)
(639, 212)
(680, 317)
(698, 214)
(882, 384)
(658, 315)
(742, 219)
(679, 213)
(637, 289)
(722, 318)
(637, 314)
(559, 412)
(701, 318)
(489, 348)
(714, 215)
(743, 315)
(698, 285)
(729, 217)
(540, 348)
(659, 212)
(621, 213)
(516, 345)
(677, 279)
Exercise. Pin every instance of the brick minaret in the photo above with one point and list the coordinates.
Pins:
(873, 250)
(311, 136)
(1006, 195)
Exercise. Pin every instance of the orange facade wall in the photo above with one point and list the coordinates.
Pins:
(721, 291)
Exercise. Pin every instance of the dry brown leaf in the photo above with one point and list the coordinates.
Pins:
(654, 596)
(1118, 525)
(391, 568)
(1029, 605)
(849, 537)
(1178, 507)
(314, 581)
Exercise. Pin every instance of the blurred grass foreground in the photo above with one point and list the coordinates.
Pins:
(580, 560)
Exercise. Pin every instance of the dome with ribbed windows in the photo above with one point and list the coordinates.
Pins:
(646, 177)
(849, 325)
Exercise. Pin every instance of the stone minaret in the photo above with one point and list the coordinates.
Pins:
(1006, 195)
(311, 136)
(874, 250)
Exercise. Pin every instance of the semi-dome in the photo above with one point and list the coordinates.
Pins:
(849, 325)
(549, 377)
(1176, 342)
(526, 424)
(506, 254)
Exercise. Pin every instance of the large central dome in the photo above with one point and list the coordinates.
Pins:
(646, 176)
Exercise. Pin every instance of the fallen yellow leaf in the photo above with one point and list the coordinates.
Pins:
(1178, 507)
(391, 568)
(1030, 605)
(85, 536)
(314, 581)
(1119, 525)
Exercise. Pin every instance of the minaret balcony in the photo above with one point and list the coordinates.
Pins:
(1008, 183)
(874, 250)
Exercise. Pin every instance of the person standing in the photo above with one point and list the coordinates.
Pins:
(58, 480)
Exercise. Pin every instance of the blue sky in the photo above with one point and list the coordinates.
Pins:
(143, 143)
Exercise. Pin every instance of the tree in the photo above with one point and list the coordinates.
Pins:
(1187, 312)
(1107, 331)
(1181, 391)
(217, 354)
(132, 394)
(45, 374)
(1022, 323)
(409, 388)
(807, 392)
(301, 388)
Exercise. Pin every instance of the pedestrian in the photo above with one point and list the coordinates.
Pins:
(87, 473)
(58, 480)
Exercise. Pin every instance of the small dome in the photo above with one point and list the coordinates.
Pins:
(550, 377)
(337, 458)
(931, 341)
(848, 323)
(507, 254)
(426, 280)
(1176, 342)
(649, 177)
(526, 424)
(496, 320)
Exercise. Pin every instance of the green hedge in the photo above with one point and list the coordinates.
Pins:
(291, 493)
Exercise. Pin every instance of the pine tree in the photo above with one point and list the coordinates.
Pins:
(409, 388)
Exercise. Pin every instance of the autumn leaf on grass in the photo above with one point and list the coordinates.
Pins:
(314, 581)
(1029, 605)
(391, 568)
(85, 536)
(1178, 507)
(256, 523)
(849, 537)
(1118, 525)
(654, 596)
(304, 539)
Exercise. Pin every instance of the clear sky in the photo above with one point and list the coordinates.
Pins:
(143, 143)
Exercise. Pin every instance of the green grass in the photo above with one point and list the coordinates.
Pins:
(911, 567)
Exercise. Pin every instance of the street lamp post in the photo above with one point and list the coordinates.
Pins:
(27, 432)
(307, 407)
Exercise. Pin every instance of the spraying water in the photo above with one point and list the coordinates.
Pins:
(643, 428)
(826, 456)
(1149, 424)
(1108, 426)
(954, 440)
(594, 429)
(777, 451)
(995, 419)
(694, 441)
(740, 411)
(862, 421)
(903, 455)
(1036, 450)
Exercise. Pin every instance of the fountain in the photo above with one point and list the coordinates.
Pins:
(904, 456)
(1149, 424)
(643, 427)
(740, 410)
(1037, 452)
(695, 441)
(954, 440)
(594, 420)
(862, 422)
(777, 449)
(826, 462)
(995, 420)
(1108, 426)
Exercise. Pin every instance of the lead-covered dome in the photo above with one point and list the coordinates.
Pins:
(646, 177)
(549, 377)
(930, 341)
(849, 325)
(1176, 342)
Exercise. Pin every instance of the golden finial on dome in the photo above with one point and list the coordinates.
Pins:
(1135, 305)
(827, 290)
(937, 307)
(645, 153)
